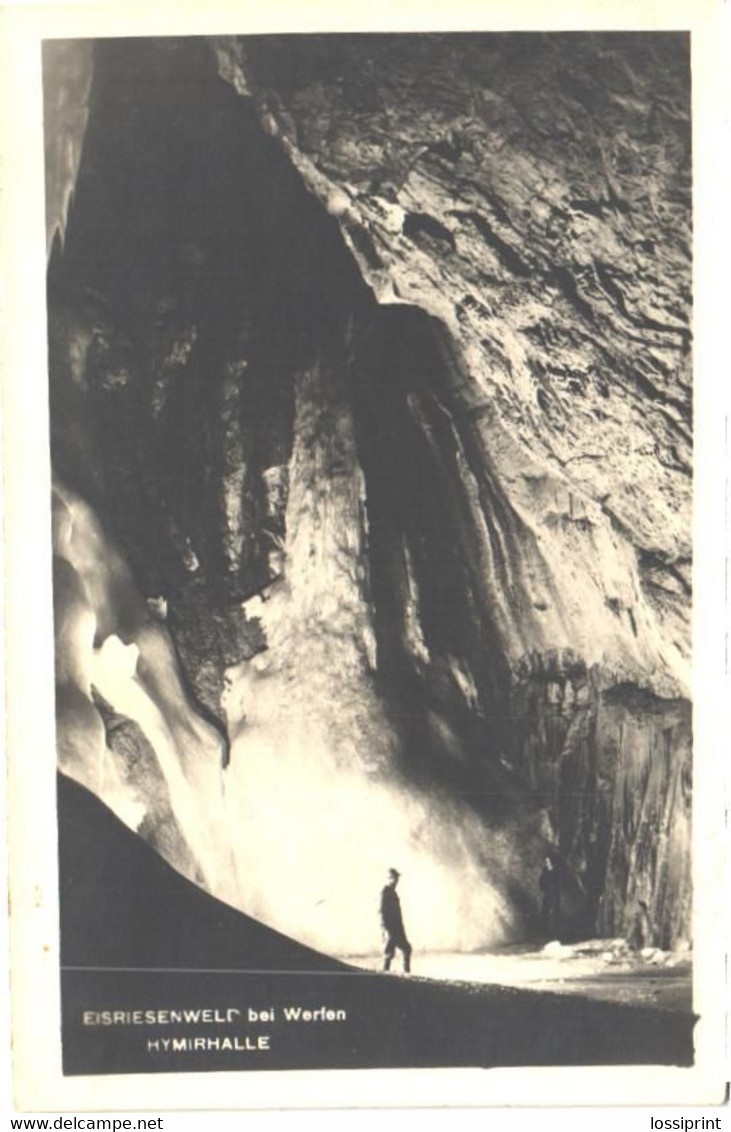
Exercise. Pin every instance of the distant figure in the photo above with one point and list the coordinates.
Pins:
(190, 558)
(550, 885)
(641, 933)
(158, 607)
(394, 936)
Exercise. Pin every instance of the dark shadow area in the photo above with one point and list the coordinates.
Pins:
(440, 656)
(194, 260)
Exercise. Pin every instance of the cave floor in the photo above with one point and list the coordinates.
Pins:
(603, 970)
(134, 931)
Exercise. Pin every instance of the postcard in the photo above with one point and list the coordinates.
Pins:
(357, 728)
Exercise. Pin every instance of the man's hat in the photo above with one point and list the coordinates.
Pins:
(394, 873)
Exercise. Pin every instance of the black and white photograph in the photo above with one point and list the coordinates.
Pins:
(370, 385)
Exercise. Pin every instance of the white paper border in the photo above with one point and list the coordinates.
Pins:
(39, 1084)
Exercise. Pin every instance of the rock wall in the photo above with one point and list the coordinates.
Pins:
(391, 416)
(531, 194)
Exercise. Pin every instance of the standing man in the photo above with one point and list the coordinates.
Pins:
(549, 883)
(392, 923)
